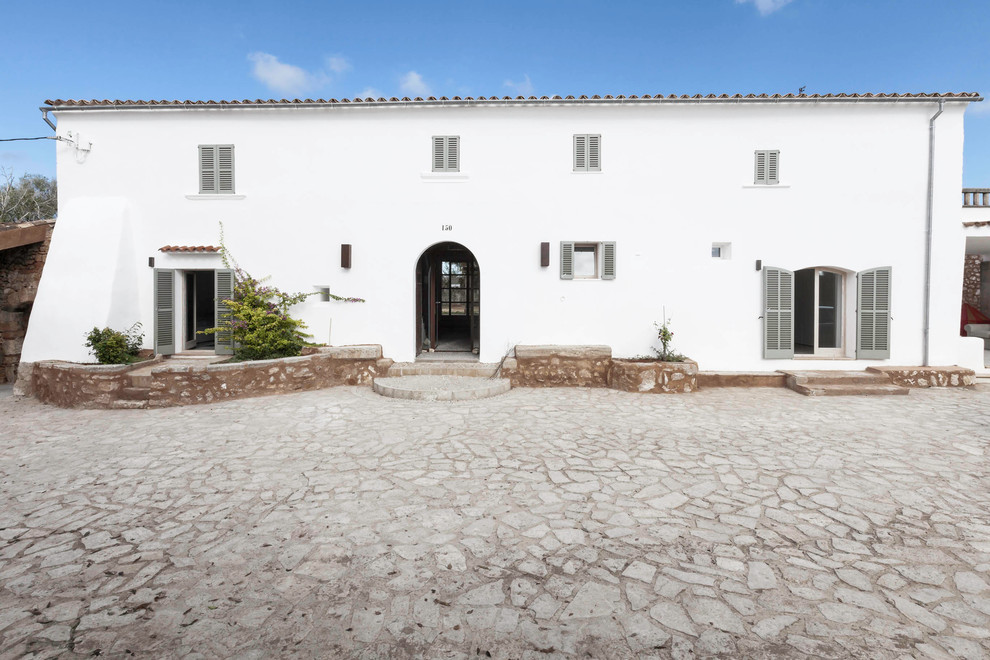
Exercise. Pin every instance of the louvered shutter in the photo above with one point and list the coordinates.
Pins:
(873, 322)
(778, 313)
(225, 168)
(580, 153)
(207, 169)
(608, 260)
(223, 282)
(453, 153)
(164, 296)
(594, 153)
(567, 260)
(772, 159)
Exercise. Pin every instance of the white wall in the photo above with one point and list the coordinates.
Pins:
(675, 179)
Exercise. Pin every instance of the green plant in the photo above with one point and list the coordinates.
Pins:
(665, 353)
(113, 346)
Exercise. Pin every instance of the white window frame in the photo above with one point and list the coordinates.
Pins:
(595, 249)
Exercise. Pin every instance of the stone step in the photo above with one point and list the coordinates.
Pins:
(134, 393)
(837, 377)
(467, 369)
(123, 404)
(850, 389)
(440, 387)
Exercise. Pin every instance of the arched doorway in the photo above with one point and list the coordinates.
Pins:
(448, 300)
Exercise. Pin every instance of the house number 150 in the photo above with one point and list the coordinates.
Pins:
(446, 227)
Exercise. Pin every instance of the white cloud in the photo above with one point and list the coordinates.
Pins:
(284, 78)
(412, 84)
(369, 92)
(766, 7)
(338, 64)
(523, 88)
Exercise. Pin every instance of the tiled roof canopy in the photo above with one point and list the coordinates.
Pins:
(189, 248)
(60, 104)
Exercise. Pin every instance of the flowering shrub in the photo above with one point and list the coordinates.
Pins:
(665, 353)
(259, 320)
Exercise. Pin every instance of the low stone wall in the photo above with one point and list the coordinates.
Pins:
(330, 366)
(928, 376)
(741, 379)
(653, 376)
(73, 385)
(558, 366)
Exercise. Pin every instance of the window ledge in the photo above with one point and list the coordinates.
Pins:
(444, 176)
(833, 358)
(205, 197)
(765, 185)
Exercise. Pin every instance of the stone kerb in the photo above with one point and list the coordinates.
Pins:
(324, 367)
(928, 376)
(653, 376)
(72, 385)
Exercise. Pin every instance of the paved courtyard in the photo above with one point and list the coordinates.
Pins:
(538, 524)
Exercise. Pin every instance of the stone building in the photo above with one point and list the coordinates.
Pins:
(23, 247)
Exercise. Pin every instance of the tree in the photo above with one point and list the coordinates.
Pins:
(32, 197)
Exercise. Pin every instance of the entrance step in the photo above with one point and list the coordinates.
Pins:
(470, 369)
(440, 387)
(841, 383)
(134, 393)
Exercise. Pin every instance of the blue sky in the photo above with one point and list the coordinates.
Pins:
(217, 49)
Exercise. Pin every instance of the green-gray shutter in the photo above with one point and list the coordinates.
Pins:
(778, 313)
(773, 158)
(207, 169)
(164, 311)
(453, 153)
(580, 153)
(223, 281)
(225, 168)
(766, 168)
(446, 153)
(873, 306)
(608, 260)
(594, 153)
(567, 260)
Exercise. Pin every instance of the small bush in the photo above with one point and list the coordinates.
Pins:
(665, 353)
(113, 346)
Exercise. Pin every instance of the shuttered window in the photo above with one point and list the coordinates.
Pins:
(586, 261)
(873, 318)
(216, 169)
(778, 313)
(223, 283)
(164, 311)
(446, 153)
(767, 167)
(587, 153)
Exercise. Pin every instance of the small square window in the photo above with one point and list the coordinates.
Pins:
(721, 250)
(585, 260)
(324, 293)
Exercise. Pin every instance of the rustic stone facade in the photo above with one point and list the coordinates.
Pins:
(21, 264)
(928, 376)
(971, 280)
(559, 366)
(71, 385)
(741, 379)
(653, 376)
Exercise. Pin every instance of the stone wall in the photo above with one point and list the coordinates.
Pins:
(20, 272)
(971, 280)
(558, 366)
(928, 376)
(653, 376)
(72, 385)
(345, 365)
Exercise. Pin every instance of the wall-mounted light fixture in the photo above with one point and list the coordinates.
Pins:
(544, 254)
(345, 255)
(151, 262)
(759, 264)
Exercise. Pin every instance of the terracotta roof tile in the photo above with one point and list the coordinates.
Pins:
(608, 98)
(189, 248)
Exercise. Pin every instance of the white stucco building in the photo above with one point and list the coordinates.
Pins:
(776, 231)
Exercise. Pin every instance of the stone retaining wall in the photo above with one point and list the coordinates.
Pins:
(344, 365)
(928, 376)
(558, 366)
(653, 376)
(73, 385)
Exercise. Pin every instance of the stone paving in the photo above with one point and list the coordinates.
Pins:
(538, 524)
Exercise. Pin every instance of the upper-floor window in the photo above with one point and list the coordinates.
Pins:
(216, 169)
(587, 153)
(446, 153)
(766, 167)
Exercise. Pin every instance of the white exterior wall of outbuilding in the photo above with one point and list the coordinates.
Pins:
(675, 179)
